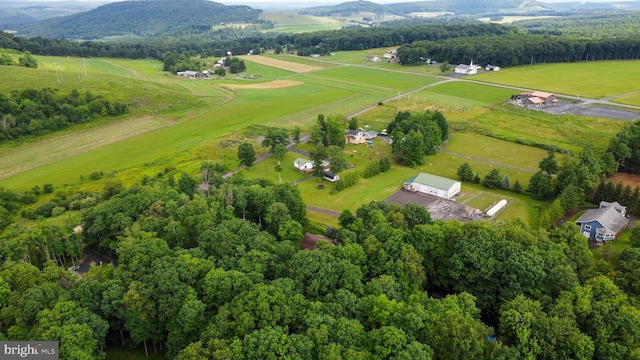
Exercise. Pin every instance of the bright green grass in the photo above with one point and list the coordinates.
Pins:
(632, 99)
(384, 80)
(477, 93)
(157, 148)
(500, 151)
(594, 79)
(565, 131)
(296, 23)
(482, 200)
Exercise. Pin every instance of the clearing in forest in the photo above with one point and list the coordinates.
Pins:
(280, 64)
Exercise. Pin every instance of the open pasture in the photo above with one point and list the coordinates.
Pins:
(478, 94)
(296, 23)
(280, 64)
(496, 150)
(274, 84)
(511, 123)
(593, 79)
(375, 78)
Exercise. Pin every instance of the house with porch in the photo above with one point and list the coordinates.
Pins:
(604, 223)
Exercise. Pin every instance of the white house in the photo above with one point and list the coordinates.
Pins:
(492, 67)
(355, 137)
(466, 69)
(306, 166)
(433, 185)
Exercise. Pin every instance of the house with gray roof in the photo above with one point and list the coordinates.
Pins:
(433, 185)
(605, 223)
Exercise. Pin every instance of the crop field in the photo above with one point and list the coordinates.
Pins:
(295, 23)
(280, 64)
(303, 60)
(595, 79)
(375, 78)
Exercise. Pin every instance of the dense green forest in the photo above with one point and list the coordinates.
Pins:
(156, 18)
(37, 112)
(519, 49)
(218, 275)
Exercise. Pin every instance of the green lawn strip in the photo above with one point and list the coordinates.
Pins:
(501, 151)
(594, 79)
(633, 99)
(320, 220)
(376, 78)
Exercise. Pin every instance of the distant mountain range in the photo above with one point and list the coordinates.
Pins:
(147, 18)
(175, 18)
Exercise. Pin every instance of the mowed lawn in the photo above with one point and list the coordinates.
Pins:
(496, 150)
(593, 79)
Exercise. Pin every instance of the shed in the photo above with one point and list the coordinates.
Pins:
(433, 185)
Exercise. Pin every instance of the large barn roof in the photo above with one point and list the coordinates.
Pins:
(433, 180)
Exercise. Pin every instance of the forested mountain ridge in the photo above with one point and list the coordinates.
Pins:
(347, 9)
(140, 18)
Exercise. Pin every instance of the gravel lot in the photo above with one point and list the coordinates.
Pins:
(440, 209)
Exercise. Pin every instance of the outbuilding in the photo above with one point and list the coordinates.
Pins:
(433, 185)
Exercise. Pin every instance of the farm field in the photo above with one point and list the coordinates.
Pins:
(295, 23)
(375, 78)
(280, 64)
(583, 78)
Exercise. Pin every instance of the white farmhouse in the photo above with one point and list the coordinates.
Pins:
(433, 185)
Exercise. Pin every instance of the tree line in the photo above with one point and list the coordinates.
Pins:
(36, 112)
(517, 48)
(217, 274)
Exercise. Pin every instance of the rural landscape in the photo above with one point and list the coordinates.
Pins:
(421, 180)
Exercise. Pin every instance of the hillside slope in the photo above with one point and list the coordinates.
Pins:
(140, 18)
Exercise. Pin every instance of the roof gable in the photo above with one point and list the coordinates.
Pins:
(608, 217)
(433, 180)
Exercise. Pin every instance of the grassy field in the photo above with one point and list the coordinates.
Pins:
(382, 80)
(594, 79)
(631, 99)
(496, 150)
(296, 23)
(511, 123)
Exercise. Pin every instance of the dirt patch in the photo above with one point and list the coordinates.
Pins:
(280, 64)
(626, 179)
(275, 84)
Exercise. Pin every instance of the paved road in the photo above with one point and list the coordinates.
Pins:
(323, 211)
